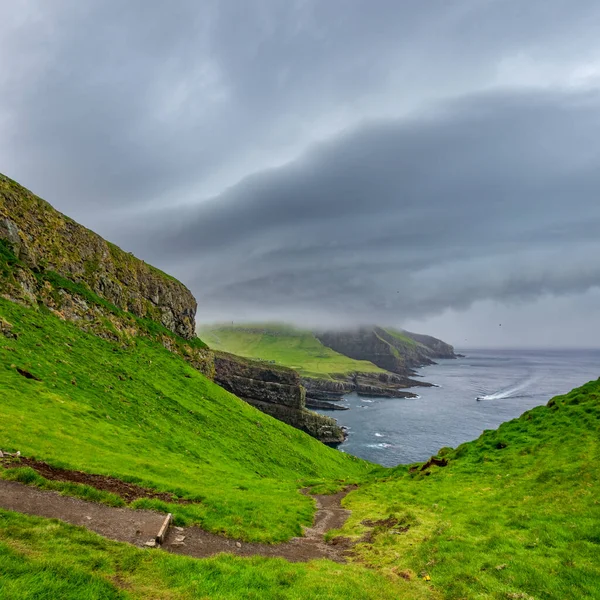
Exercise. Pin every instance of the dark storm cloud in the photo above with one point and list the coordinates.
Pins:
(319, 161)
(494, 198)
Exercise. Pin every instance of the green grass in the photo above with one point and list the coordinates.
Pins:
(515, 514)
(400, 336)
(285, 346)
(29, 476)
(42, 558)
(142, 414)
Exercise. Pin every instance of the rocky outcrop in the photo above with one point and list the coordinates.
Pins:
(46, 241)
(276, 391)
(394, 351)
(387, 385)
(327, 390)
(324, 405)
(437, 348)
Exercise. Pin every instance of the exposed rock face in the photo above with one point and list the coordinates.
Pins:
(276, 391)
(327, 389)
(387, 385)
(252, 379)
(398, 352)
(438, 348)
(45, 240)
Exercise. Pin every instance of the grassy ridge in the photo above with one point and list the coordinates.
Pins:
(286, 346)
(515, 514)
(142, 414)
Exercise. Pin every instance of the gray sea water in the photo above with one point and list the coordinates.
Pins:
(390, 431)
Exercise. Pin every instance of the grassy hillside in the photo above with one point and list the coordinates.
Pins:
(142, 414)
(286, 346)
(514, 514)
(40, 558)
(400, 336)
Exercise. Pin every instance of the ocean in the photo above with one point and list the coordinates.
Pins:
(391, 431)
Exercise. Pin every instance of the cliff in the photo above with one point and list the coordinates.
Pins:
(46, 241)
(276, 391)
(392, 350)
(387, 385)
(373, 361)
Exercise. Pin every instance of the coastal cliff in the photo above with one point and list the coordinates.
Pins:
(44, 240)
(373, 361)
(387, 385)
(396, 351)
(276, 391)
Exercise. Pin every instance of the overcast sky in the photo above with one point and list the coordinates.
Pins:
(433, 165)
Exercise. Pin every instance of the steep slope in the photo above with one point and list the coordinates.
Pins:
(47, 258)
(140, 413)
(45, 240)
(397, 351)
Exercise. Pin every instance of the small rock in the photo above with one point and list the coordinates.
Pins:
(178, 528)
(89, 518)
(180, 538)
(151, 544)
(238, 545)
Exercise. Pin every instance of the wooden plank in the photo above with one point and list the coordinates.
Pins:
(162, 534)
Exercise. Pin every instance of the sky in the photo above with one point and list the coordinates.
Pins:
(428, 165)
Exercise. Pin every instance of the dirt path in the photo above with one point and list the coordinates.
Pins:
(121, 524)
(140, 526)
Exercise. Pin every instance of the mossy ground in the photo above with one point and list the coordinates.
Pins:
(286, 346)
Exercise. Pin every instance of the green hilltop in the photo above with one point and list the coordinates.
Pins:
(284, 345)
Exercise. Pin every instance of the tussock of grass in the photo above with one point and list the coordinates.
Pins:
(285, 346)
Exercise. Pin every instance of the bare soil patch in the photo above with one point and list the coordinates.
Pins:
(128, 491)
(141, 526)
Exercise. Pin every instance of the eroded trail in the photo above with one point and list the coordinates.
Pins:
(140, 526)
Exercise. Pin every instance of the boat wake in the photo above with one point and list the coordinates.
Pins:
(511, 392)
